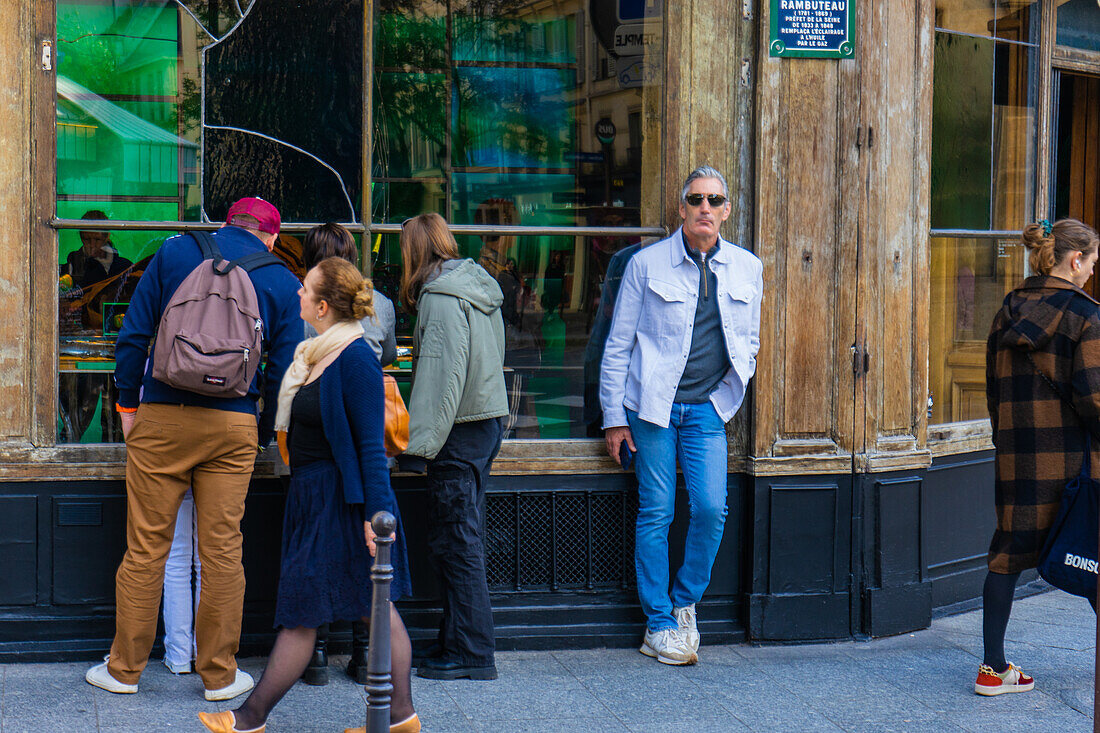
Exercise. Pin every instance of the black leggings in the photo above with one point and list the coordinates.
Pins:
(996, 607)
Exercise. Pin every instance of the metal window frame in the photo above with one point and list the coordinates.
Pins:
(382, 228)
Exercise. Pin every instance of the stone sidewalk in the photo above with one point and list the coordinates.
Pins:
(914, 682)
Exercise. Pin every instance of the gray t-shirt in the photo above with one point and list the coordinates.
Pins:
(378, 330)
(708, 361)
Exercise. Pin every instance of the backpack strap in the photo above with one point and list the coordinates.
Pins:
(208, 247)
(254, 260)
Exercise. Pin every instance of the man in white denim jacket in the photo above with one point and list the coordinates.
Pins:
(679, 357)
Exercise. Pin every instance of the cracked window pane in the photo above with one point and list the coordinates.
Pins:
(283, 111)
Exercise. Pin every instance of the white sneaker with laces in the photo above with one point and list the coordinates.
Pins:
(101, 678)
(241, 684)
(685, 618)
(668, 646)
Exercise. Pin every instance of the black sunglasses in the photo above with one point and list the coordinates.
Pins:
(714, 199)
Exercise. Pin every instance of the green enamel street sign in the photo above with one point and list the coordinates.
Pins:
(811, 29)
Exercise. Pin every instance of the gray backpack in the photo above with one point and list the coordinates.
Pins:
(210, 337)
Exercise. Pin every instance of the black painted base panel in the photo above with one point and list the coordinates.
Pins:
(43, 637)
(803, 558)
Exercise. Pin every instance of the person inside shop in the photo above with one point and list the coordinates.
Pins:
(676, 364)
(1043, 394)
(330, 420)
(455, 429)
(178, 438)
(322, 242)
(97, 260)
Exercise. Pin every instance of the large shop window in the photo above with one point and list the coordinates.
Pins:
(983, 185)
(531, 115)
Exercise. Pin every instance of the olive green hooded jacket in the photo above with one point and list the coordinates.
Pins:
(458, 372)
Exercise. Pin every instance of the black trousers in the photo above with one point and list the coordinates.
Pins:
(456, 511)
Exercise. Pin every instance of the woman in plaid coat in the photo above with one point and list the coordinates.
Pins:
(1043, 349)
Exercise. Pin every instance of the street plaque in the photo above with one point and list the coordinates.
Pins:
(811, 29)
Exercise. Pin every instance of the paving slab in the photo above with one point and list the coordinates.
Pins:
(921, 681)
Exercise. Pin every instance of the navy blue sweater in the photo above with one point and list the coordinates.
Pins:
(276, 290)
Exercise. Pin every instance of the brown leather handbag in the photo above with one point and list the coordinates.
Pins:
(397, 418)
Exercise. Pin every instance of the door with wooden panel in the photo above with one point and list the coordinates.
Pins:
(1077, 151)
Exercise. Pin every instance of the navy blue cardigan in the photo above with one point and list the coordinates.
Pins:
(353, 416)
(353, 419)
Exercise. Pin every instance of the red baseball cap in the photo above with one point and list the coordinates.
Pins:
(263, 212)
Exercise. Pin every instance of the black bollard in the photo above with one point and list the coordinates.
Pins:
(379, 679)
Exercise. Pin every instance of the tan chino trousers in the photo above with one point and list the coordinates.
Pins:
(171, 448)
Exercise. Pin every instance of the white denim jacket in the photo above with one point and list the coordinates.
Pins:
(650, 338)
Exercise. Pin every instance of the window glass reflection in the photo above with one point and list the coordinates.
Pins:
(488, 112)
(512, 107)
(1014, 120)
(965, 16)
(558, 301)
(962, 102)
(970, 278)
(1018, 20)
(1079, 24)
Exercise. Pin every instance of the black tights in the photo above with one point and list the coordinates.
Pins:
(996, 607)
(290, 656)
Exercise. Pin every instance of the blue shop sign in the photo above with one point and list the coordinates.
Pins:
(811, 29)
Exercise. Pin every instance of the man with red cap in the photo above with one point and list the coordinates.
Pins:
(178, 439)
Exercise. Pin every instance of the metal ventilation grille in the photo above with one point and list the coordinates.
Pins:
(560, 540)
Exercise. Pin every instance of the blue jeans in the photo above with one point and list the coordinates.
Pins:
(695, 436)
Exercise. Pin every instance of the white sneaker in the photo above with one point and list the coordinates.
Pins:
(685, 618)
(241, 684)
(101, 678)
(669, 647)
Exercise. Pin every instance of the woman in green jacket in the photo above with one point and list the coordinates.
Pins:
(455, 428)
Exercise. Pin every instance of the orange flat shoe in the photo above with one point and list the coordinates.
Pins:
(410, 724)
(226, 722)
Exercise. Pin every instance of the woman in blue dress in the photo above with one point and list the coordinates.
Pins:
(330, 422)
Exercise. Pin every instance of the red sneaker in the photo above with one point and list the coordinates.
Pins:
(1012, 679)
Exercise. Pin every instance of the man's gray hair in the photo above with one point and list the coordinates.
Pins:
(704, 171)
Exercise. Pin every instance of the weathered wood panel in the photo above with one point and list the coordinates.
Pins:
(16, 24)
(842, 160)
(810, 249)
(804, 388)
(43, 239)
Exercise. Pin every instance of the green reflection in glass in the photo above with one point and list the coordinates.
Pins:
(962, 105)
(398, 200)
(133, 245)
(118, 102)
(410, 120)
(118, 48)
(519, 118)
(539, 199)
(531, 40)
(411, 39)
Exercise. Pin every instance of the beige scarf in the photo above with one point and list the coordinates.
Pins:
(309, 353)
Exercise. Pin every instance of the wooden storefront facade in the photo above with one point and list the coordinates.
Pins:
(850, 514)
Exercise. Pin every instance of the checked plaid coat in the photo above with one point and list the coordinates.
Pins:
(1040, 441)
